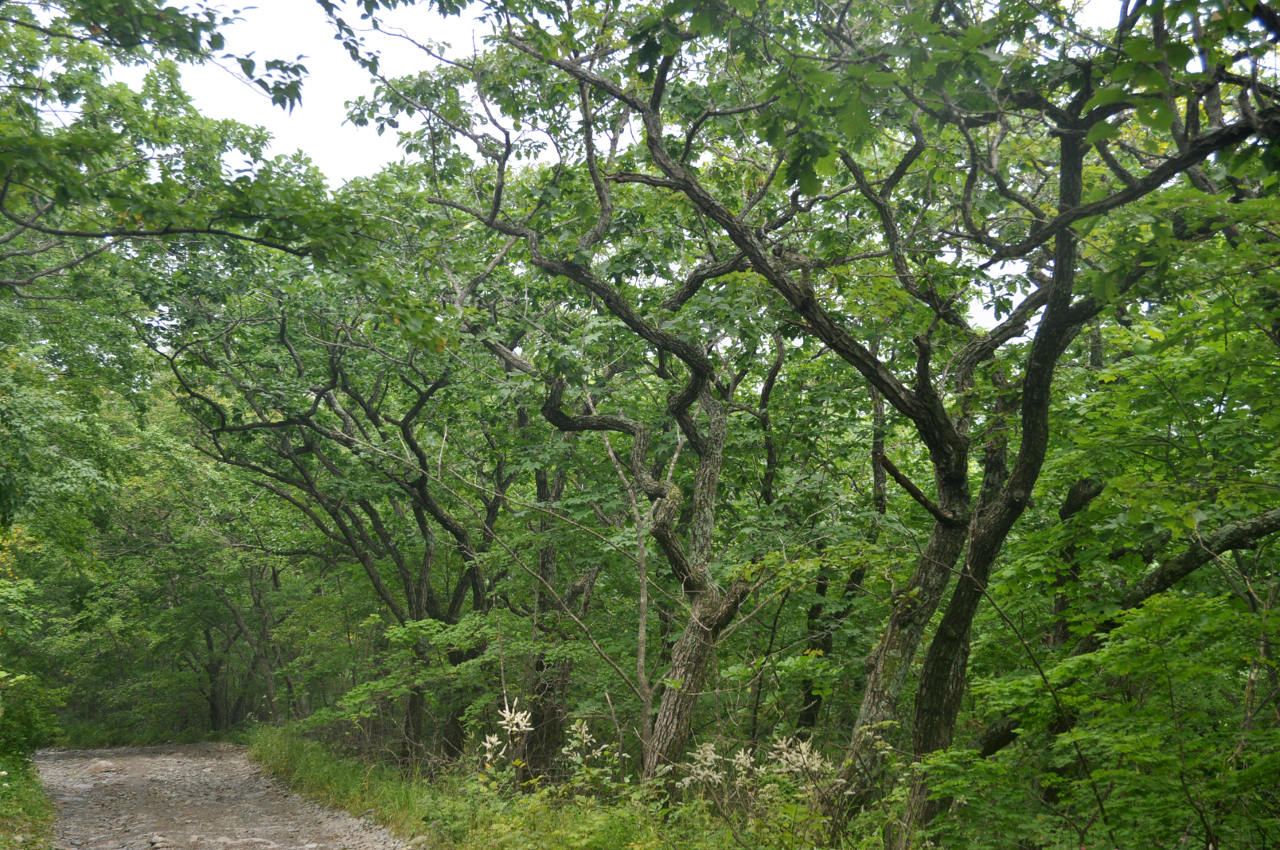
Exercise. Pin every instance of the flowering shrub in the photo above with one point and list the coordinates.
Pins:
(503, 755)
(782, 791)
(515, 723)
(772, 795)
(592, 768)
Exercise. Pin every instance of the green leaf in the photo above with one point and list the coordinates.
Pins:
(1155, 114)
(1101, 132)
(1106, 97)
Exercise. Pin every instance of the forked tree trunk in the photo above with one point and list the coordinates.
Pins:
(1004, 497)
(690, 659)
(889, 668)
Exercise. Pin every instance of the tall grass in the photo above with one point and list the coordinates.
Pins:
(463, 811)
(26, 815)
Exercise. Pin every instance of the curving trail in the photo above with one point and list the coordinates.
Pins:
(188, 797)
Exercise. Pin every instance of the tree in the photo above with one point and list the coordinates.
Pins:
(889, 376)
(94, 173)
(961, 154)
(91, 165)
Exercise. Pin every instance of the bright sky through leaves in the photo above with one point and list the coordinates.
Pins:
(287, 29)
(290, 28)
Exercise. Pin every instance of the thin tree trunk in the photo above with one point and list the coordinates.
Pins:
(550, 678)
(818, 643)
(819, 623)
(415, 726)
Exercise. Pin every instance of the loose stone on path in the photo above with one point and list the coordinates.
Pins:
(188, 797)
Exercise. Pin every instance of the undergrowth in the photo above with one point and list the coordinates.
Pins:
(469, 809)
(26, 815)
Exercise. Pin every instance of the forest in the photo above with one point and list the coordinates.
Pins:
(849, 422)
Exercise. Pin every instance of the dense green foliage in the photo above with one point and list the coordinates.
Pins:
(25, 812)
(780, 424)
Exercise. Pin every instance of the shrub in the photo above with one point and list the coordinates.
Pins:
(27, 719)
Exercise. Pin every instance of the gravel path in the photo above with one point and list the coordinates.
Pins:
(190, 797)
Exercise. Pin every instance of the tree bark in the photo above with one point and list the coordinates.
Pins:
(550, 678)
(890, 664)
(690, 659)
(414, 746)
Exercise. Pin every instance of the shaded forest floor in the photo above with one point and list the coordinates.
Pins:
(187, 796)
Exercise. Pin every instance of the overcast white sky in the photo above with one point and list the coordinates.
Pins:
(286, 29)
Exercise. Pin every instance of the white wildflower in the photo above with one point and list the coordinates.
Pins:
(798, 758)
(494, 749)
(581, 735)
(744, 765)
(514, 722)
(703, 769)
(580, 746)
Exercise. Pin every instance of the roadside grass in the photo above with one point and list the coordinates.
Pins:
(26, 815)
(464, 811)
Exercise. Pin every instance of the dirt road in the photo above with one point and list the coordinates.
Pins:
(188, 797)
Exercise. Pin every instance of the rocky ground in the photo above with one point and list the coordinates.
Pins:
(188, 797)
